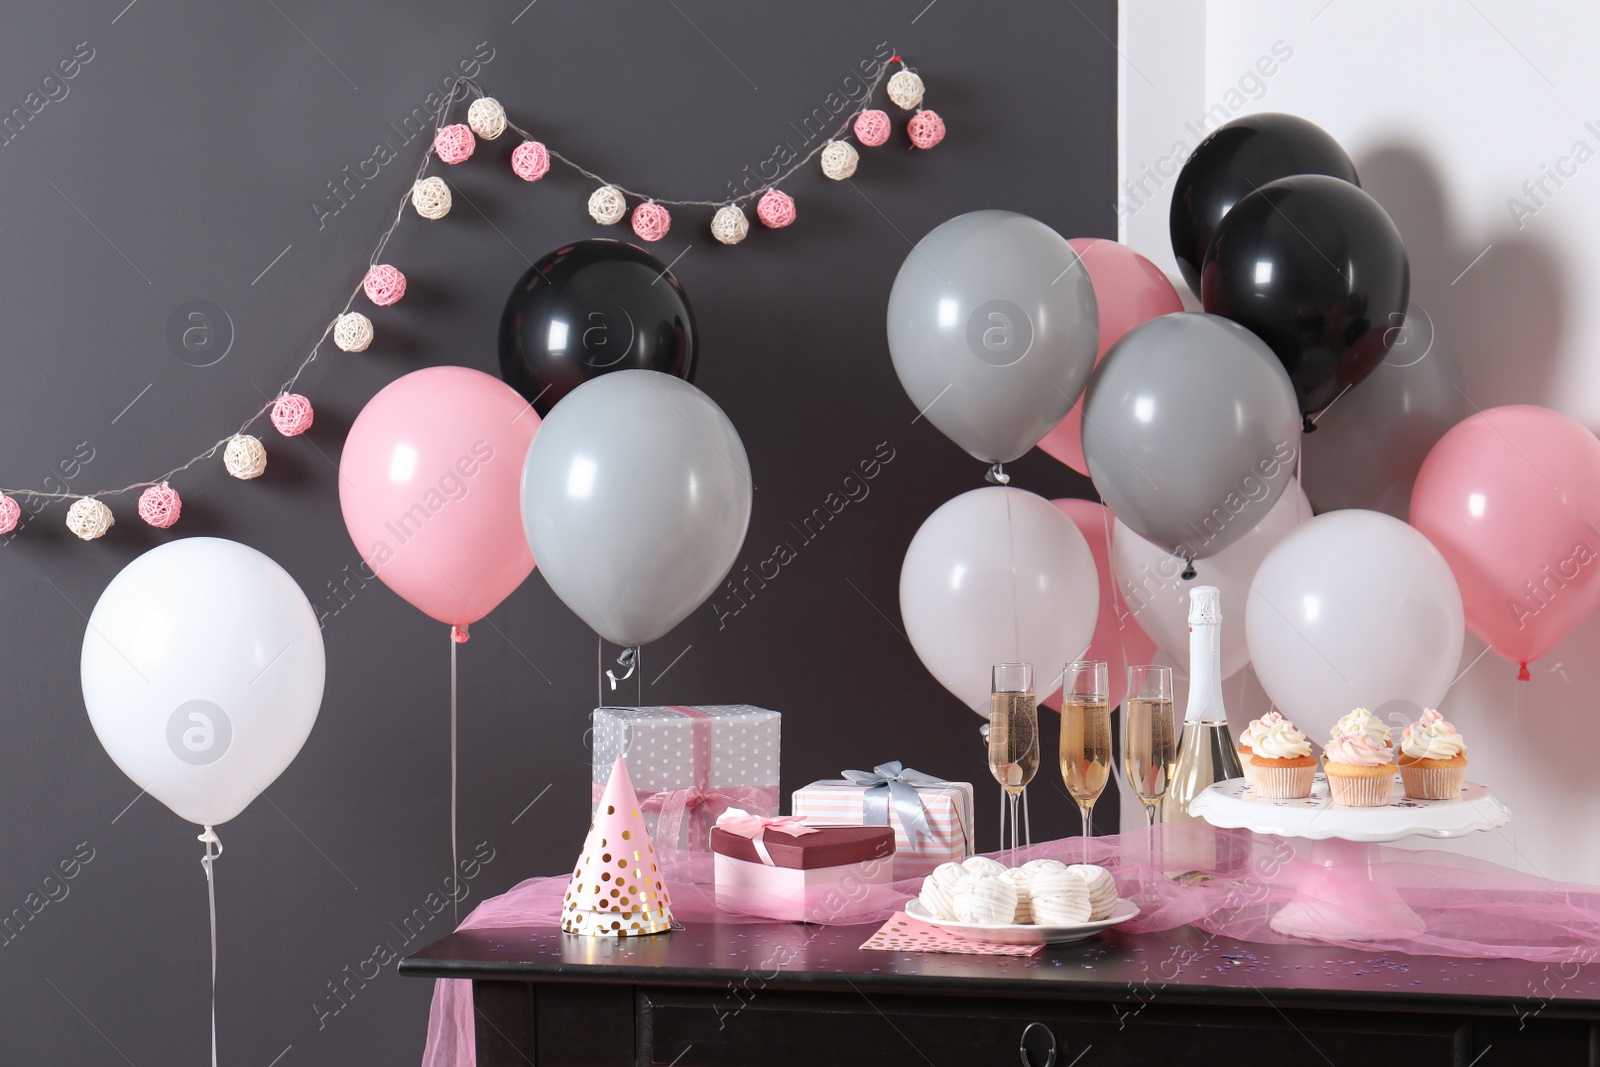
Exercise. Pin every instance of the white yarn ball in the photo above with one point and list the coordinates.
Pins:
(245, 457)
(352, 332)
(729, 225)
(88, 518)
(607, 205)
(839, 160)
(487, 118)
(905, 89)
(431, 198)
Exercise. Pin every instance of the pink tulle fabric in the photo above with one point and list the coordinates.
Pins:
(1226, 882)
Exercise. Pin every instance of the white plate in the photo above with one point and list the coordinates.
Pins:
(1231, 803)
(1024, 933)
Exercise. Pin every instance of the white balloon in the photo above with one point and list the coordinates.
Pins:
(1152, 583)
(202, 671)
(998, 575)
(1353, 609)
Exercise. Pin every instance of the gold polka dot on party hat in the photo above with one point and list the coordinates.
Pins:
(627, 835)
(611, 809)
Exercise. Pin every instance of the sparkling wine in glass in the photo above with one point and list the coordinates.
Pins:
(1013, 733)
(1149, 741)
(1085, 737)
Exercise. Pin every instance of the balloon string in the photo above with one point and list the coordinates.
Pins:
(455, 898)
(210, 839)
(1112, 601)
(1016, 624)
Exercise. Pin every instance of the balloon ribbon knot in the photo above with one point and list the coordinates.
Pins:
(1522, 673)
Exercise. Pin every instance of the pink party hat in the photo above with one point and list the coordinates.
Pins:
(616, 888)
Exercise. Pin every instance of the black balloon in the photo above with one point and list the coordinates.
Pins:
(590, 308)
(1315, 268)
(1236, 160)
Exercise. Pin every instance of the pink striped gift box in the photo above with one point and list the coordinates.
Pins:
(940, 813)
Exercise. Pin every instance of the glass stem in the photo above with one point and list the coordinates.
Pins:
(1088, 827)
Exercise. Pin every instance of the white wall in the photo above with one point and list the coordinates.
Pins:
(1477, 126)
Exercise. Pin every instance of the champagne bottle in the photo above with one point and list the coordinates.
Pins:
(1206, 752)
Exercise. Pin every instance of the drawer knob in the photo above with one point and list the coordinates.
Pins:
(1027, 1057)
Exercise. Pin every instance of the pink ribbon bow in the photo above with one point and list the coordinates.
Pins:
(755, 827)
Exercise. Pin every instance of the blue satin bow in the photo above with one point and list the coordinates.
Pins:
(893, 781)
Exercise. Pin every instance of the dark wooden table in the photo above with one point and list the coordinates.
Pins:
(784, 994)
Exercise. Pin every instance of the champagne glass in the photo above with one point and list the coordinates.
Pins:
(1085, 737)
(1149, 744)
(1013, 733)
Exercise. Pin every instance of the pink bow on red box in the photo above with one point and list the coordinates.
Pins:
(755, 827)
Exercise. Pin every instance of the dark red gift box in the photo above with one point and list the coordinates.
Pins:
(827, 846)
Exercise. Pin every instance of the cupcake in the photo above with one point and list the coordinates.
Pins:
(1360, 770)
(1432, 758)
(1362, 721)
(1248, 739)
(1284, 766)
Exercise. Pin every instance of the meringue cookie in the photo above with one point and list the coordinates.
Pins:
(986, 898)
(1102, 889)
(938, 890)
(1035, 866)
(982, 865)
(1059, 898)
(1020, 877)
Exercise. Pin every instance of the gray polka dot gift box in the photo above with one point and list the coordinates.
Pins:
(689, 765)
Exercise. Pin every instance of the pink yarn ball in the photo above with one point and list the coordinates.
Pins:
(292, 414)
(160, 506)
(775, 209)
(872, 128)
(454, 144)
(10, 513)
(530, 161)
(926, 129)
(384, 285)
(651, 221)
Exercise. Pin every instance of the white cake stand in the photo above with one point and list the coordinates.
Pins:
(1343, 901)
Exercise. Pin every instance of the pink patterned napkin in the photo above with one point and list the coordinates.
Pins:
(902, 933)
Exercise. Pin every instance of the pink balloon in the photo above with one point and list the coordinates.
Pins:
(1511, 497)
(1130, 290)
(429, 484)
(1117, 638)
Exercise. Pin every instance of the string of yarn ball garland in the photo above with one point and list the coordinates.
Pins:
(160, 506)
(352, 332)
(245, 457)
(89, 518)
(292, 414)
(431, 198)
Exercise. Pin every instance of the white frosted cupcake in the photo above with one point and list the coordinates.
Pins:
(1284, 766)
(1361, 721)
(1360, 771)
(1247, 742)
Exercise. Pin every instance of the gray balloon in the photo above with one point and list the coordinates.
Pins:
(1370, 442)
(635, 499)
(993, 329)
(1191, 430)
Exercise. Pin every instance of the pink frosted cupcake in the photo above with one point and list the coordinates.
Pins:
(1362, 721)
(1360, 770)
(1284, 766)
(1248, 739)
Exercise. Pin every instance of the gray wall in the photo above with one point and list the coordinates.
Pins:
(186, 155)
